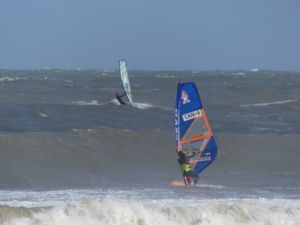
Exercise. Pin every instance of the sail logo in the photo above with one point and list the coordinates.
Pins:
(185, 97)
(191, 115)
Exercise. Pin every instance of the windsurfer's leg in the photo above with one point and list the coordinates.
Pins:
(195, 178)
(184, 181)
(122, 102)
(187, 180)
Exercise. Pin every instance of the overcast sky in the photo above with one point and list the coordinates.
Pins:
(152, 34)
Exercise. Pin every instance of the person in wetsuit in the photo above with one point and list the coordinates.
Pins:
(187, 172)
(119, 98)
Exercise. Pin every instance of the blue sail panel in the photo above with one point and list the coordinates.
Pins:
(207, 157)
(193, 132)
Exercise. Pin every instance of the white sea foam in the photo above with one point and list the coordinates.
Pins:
(111, 210)
(239, 74)
(115, 101)
(164, 76)
(91, 102)
(210, 186)
(10, 79)
(140, 105)
(6, 79)
(107, 74)
(43, 115)
(270, 103)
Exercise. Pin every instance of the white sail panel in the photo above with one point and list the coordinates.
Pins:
(125, 79)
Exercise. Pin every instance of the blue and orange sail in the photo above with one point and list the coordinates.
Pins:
(194, 135)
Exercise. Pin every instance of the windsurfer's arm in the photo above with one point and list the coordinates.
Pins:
(179, 161)
(179, 148)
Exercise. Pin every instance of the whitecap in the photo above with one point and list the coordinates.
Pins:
(82, 103)
(270, 103)
(44, 115)
(142, 105)
(6, 79)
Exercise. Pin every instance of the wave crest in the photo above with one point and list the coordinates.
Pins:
(165, 212)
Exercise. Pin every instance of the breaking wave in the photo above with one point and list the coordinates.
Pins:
(166, 212)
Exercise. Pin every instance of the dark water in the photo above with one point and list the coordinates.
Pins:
(65, 140)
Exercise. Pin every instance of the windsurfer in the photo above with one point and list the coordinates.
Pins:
(187, 172)
(119, 98)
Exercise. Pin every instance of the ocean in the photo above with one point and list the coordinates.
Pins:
(70, 154)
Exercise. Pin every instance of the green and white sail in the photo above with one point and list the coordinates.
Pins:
(125, 79)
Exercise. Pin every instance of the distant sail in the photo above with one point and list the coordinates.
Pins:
(125, 79)
(193, 132)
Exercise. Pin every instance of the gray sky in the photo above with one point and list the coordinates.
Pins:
(153, 34)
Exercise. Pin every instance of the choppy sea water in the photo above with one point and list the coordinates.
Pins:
(71, 155)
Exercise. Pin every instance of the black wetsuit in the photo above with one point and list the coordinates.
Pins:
(186, 169)
(119, 98)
